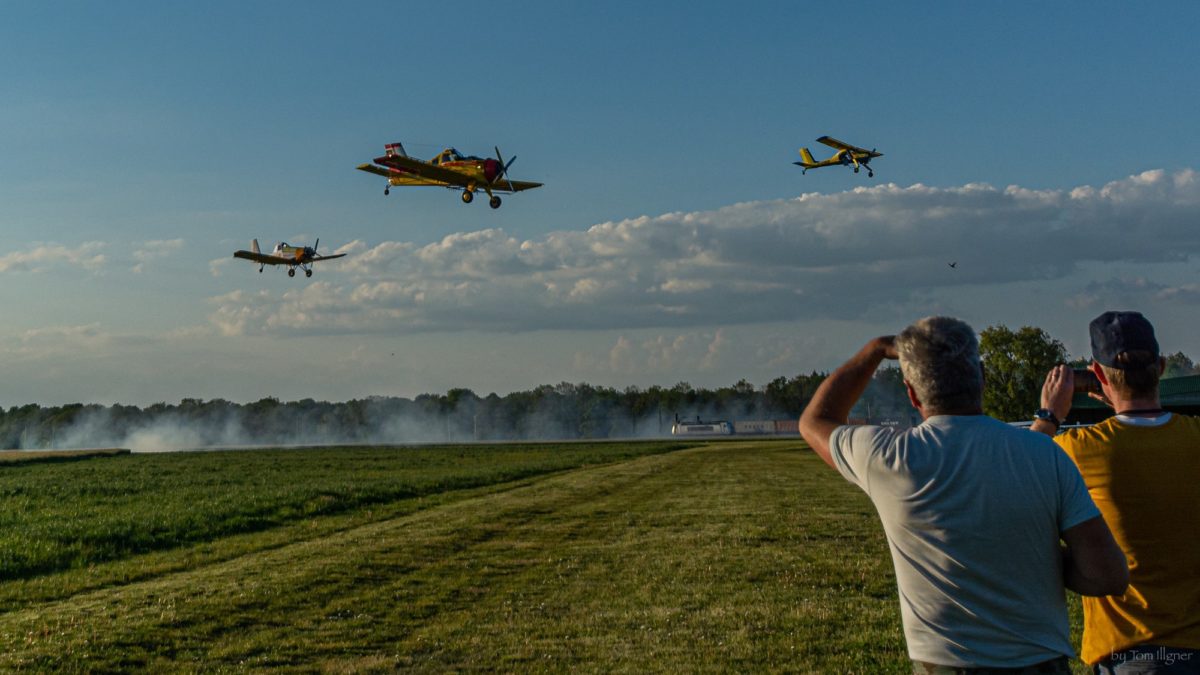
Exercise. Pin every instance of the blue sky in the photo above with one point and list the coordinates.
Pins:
(1047, 149)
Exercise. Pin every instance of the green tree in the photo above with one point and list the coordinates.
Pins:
(1178, 365)
(1015, 364)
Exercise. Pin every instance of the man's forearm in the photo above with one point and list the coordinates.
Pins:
(1044, 426)
(831, 404)
(1093, 563)
(841, 390)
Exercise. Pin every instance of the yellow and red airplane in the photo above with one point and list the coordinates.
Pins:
(846, 155)
(448, 169)
(284, 254)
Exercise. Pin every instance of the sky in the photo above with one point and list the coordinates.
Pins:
(1048, 149)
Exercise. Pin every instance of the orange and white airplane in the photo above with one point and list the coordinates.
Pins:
(449, 169)
(284, 254)
(846, 155)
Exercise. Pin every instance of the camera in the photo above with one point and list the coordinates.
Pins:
(1086, 381)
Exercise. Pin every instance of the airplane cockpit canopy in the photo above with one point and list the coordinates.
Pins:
(449, 155)
(452, 155)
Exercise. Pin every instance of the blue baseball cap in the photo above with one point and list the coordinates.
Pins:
(1114, 333)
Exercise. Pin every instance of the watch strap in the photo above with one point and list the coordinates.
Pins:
(1048, 415)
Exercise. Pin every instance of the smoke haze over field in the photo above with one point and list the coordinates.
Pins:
(564, 411)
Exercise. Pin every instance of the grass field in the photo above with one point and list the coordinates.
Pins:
(585, 557)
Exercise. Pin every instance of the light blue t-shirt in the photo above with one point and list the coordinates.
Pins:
(972, 509)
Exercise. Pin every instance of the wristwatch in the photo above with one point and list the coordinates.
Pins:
(1048, 415)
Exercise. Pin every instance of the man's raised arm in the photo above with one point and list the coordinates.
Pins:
(830, 406)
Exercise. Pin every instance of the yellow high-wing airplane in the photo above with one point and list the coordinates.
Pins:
(846, 155)
(285, 254)
(449, 170)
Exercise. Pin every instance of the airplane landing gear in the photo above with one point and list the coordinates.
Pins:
(856, 169)
(291, 271)
(870, 173)
(467, 196)
(387, 190)
(494, 202)
(308, 273)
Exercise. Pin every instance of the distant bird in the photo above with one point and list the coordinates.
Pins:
(953, 264)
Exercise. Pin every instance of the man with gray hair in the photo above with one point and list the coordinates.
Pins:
(973, 509)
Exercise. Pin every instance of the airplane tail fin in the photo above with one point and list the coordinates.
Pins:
(254, 246)
(806, 156)
(395, 149)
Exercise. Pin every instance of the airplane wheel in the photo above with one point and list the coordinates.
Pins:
(387, 191)
(494, 202)
(870, 174)
(856, 169)
(292, 272)
(308, 273)
(467, 196)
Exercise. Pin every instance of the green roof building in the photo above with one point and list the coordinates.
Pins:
(1177, 394)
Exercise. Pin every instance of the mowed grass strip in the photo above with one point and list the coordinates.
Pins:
(746, 557)
(74, 515)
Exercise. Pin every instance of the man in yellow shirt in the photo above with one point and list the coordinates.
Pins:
(1142, 468)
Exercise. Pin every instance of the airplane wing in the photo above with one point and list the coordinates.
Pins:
(835, 143)
(378, 170)
(328, 257)
(517, 185)
(263, 258)
(421, 169)
(416, 170)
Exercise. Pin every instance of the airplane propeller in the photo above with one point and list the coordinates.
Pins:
(504, 168)
(312, 250)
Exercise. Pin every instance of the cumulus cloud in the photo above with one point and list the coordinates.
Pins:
(1098, 295)
(43, 256)
(217, 267)
(656, 354)
(152, 250)
(83, 334)
(840, 256)
(36, 343)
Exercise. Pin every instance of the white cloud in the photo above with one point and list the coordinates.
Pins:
(236, 309)
(713, 355)
(1121, 291)
(152, 250)
(655, 354)
(85, 334)
(86, 255)
(217, 267)
(872, 252)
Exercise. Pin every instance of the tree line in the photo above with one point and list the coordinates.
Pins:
(562, 411)
(1015, 363)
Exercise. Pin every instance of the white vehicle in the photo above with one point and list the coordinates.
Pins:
(699, 428)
